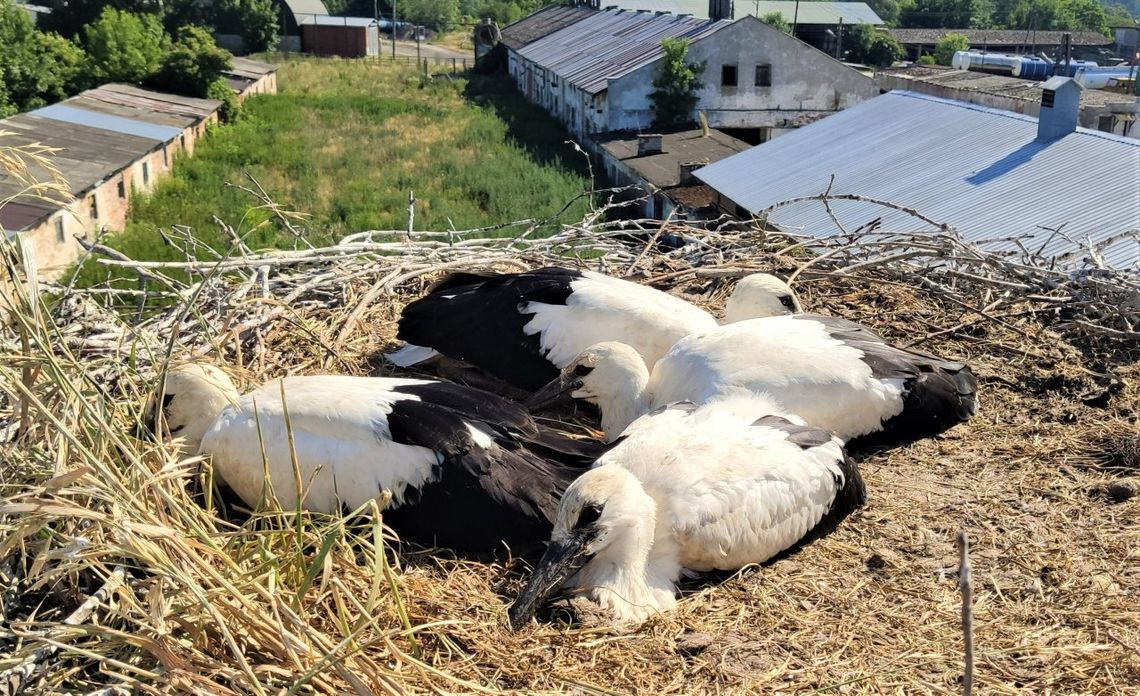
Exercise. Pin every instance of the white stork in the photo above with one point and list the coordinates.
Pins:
(715, 487)
(524, 327)
(833, 373)
(466, 469)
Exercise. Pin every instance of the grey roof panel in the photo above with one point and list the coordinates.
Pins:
(103, 121)
(813, 12)
(999, 37)
(244, 67)
(546, 21)
(978, 169)
(611, 43)
(331, 21)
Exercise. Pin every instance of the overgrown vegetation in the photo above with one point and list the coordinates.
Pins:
(948, 45)
(676, 84)
(38, 68)
(866, 45)
(346, 142)
(777, 20)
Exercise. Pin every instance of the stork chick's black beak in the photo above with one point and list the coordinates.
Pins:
(556, 392)
(562, 559)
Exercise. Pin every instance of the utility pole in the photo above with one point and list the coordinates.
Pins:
(839, 42)
(796, 18)
(393, 31)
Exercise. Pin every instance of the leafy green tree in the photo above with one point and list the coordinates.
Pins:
(939, 13)
(1086, 15)
(777, 21)
(888, 10)
(193, 64)
(437, 15)
(676, 84)
(124, 47)
(926, 59)
(948, 45)
(68, 17)
(219, 89)
(883, 51)
(35, 68)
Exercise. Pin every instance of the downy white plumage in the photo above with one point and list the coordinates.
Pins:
(523, 327)
(714, 487)
(833, 373)
(448, 454)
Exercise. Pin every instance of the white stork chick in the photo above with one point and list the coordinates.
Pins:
(524, 327)
(466, 468)
(833, 373)
(715, 487)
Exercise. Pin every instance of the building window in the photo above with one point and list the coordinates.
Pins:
(1104, 123)
(165, 158)
(59, 237)
(182, 141)
(763, 75)
(94, 208)
(122, 187)
(728, 76)
(146, 173)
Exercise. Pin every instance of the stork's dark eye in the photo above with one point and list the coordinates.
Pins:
(588, 516)
(582, 370)
(787, 301)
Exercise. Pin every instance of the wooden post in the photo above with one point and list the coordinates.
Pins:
(967, 612)
(411, 213)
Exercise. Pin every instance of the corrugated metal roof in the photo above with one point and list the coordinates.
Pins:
(303, 8)
(810, 12)
(814, 12)
(331, 21)
(966, 81)
(67, 113)
(546, 21)
(977, 169)
(609, 44)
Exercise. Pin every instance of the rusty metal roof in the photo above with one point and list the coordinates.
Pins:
(155, 102)
(542, 23)
(978, 169)
(609, 44)
(18, 215)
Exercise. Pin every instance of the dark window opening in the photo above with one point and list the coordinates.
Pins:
(94, 208)
(123, 187)
(763, 75)
(59, 237)
(1047, 96)
(1104, 123)
(728, 76)
(146, 174)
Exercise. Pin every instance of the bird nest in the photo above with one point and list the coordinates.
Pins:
(118, 575)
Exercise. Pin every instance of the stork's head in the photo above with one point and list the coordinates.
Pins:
(187, 403)
(760, 295)
(604, 529)
(611, 375)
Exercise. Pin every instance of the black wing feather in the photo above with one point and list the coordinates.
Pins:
(476, 319)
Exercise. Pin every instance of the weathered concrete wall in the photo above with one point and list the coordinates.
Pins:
(805, 82)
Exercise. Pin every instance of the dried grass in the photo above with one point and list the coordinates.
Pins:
(289, 603)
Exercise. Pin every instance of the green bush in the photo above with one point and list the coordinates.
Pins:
(676, 84)
(193, 64)
(948, 45)
(926, 59)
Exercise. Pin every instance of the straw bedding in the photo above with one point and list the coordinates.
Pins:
(291, 603)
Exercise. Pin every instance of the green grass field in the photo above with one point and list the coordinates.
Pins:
(344, 142)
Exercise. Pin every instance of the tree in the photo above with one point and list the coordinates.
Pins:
(193, 64)
(437, 15)
(676, 84)
(35, 68)
(888, 10)
(939, 13)
(124, 47)
(948, 45)
(254, 20)
(883, 51)
(776, 20)
(68, 17)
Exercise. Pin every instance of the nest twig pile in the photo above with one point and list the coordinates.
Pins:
(288, 603)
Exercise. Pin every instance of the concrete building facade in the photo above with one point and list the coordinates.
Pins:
(596, 74)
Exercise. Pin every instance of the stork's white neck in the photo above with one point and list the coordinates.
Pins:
(634, 576)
